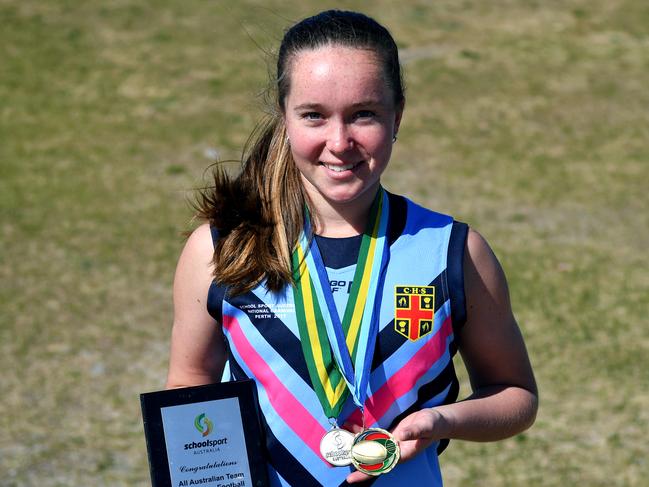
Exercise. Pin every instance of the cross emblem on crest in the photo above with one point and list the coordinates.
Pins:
(414, 310)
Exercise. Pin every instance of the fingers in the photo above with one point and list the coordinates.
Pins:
(357, 476)
(415, 433)
(410, 449)
(419, 425)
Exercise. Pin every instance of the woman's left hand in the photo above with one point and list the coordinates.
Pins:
(414, 433)
(417, 431)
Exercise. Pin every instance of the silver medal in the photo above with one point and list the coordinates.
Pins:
(336, 447)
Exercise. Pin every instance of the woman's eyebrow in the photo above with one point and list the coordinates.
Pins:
(318, 106)
(308, 106)
(365, 103)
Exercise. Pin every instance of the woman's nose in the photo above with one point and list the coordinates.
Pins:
(339, 138)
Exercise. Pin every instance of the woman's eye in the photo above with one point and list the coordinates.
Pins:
(364, 114)
(311, 116)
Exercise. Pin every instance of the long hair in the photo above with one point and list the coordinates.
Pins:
(260, 213)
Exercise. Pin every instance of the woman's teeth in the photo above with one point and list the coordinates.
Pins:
(346, 167)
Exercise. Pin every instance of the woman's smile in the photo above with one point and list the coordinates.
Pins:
(336, 167)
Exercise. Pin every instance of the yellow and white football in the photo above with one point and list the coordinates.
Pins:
(369, 452)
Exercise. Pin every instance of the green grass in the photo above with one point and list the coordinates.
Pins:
(529, 120)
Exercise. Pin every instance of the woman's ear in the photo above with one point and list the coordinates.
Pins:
(398, 114)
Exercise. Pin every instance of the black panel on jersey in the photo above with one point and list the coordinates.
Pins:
(455, 266)
(339, 252)
(216, 293)
(398, 216)
(215, 234)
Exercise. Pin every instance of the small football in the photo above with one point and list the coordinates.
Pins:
(369, 452)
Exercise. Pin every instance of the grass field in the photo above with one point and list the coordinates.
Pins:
(527, 119)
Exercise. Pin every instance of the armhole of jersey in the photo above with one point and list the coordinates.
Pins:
(455, 270)
(216, 293)
(398, 216)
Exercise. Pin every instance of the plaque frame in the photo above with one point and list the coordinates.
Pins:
(244, 390)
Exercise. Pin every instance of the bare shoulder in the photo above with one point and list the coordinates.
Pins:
(199, 245)
(481, 264)
(485, 284)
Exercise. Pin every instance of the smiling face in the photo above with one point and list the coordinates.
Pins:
(340, 118)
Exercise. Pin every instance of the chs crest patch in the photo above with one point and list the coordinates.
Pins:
(414, 310)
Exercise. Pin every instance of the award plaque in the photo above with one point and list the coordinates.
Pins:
(206, 435)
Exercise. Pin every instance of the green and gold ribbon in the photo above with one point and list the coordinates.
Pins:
(339, 354)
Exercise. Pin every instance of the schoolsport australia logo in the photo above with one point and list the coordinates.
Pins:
(203, 424)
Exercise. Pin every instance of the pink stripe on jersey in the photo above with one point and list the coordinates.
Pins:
(281, 399)
(405, 378)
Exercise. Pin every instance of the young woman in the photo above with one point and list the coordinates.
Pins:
(344, 303)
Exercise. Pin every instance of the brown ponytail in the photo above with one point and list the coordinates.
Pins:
(259, 213)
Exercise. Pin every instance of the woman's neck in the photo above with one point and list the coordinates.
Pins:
(333, 219)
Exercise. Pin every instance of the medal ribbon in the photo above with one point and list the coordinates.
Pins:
(339, 353)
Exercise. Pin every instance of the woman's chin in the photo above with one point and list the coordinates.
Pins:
(350, 196)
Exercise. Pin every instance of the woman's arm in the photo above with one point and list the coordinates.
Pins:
(504, 399)
(197, 346)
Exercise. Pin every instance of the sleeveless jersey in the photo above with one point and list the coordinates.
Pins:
(421, 311)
